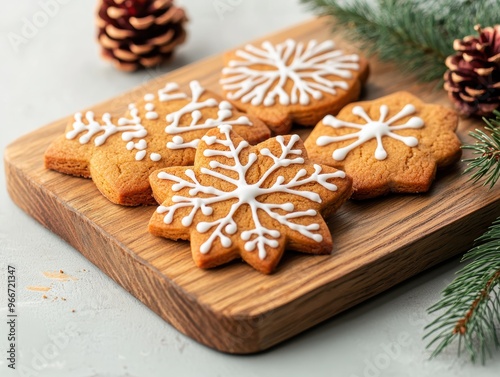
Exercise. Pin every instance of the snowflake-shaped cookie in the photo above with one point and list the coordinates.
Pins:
(392, 144)
(292, 81)
(162, 129)
(252, 202)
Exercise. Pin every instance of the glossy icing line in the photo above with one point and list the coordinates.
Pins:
(259, 237)
(373, 129)
(306, 65)
(194, 109)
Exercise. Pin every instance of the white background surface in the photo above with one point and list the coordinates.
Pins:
(58, 72)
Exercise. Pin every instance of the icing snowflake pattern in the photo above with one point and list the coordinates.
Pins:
(305, 65)
(373, 129)
(245, 193)
(132, 128)
(193, 108)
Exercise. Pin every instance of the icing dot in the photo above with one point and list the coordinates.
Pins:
(177, 139)
(231, 228)
(130, 145)
(273, 243)
(249, 246)
(149, 97)
(274, 233)
(162, 209)
(225, 105)
(141, 144)
(245, 236)
(203, 227)
(140, 155)
(151, 115)
(149, 107)
(155, 157)
(226, 242)
(318, 237)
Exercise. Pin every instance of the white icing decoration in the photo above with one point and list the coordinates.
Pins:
(130, 128)
(373, 129)
(150, 107)
(305, 66)
(166, 94)
(140, 155)
(245, 193)
(142, 144)
(193, 108)
(151, 115)
(155, 157)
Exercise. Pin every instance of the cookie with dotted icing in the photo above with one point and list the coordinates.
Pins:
(249, 202)
(390, 144)
(160, 129)
(292, 82)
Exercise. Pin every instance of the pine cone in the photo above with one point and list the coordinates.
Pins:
(473, 78)
(139, 33)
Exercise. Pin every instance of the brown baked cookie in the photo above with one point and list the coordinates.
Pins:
(391, 144)
(160, 130)
(292, 81)
(249, 202)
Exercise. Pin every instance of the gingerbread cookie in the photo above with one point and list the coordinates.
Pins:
(162, 129)
(292, 81)
(249, 202)
(391, 144)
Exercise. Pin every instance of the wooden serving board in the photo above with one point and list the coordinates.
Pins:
(377, 243)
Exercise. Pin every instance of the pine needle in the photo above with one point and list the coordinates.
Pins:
(470, 306)
(417, 35)
(486, 164)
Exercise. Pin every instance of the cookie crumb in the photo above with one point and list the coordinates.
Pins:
(44, 296)
(61, 271)
(72, 310)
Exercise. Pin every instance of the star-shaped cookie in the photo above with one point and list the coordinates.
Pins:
(391, 144)
(248, 201)
(161, 129)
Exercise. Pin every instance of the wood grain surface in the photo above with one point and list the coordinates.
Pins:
(377, 243)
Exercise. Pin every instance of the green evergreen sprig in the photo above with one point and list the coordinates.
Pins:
(471, 303)
(416, 35)
(486, 164)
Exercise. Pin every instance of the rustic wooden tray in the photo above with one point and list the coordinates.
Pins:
(378, 243)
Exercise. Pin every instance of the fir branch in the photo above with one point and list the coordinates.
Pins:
(418, 35)
(487, 148)
(471, 303)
